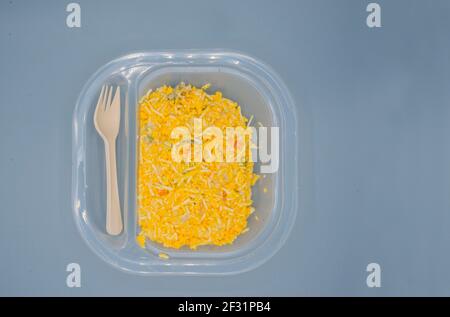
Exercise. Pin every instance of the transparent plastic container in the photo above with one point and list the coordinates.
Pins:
(259, 92)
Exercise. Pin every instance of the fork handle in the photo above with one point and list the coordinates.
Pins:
(114, 223)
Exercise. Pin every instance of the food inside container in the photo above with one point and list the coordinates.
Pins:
(188, 217)
(188, 201)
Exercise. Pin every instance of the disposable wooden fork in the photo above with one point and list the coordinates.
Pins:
(107, 123)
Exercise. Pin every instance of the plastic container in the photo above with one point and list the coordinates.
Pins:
(259, 92)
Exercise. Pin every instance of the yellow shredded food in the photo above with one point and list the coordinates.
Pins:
(189, 203)
(163, 256)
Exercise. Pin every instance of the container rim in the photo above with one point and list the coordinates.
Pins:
(289, 201)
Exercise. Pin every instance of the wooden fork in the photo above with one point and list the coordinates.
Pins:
(107, 123)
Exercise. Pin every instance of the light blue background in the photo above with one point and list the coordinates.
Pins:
(378, 108)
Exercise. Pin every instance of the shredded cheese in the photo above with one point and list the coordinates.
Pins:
(189, 203)
(163, 256)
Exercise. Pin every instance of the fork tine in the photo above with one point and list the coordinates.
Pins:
(109, 98)
(116, 100)
(100, 100)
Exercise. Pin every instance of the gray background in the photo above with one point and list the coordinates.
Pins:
(378, 109)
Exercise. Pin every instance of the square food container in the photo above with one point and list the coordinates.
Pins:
(259, 92)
